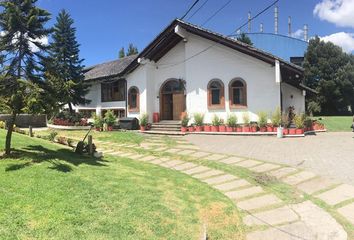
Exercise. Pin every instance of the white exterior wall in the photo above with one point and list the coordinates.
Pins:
(292, 97)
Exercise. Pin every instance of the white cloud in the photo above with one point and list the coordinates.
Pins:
(339, 12)
(298, 33)
(43, 40)
(342, 39)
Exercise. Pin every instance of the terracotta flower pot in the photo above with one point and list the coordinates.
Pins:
(299, 131)
(98, 129)
(191, 129)
(207, 128)
(263, 129)
(110, 128)
(238, 129)
(246, 129)
(275, 129)
(215, 128)
(229, 129)
(292, 131)
(199, 128)
(270, 129)
(142, 128)
(253, 129)
(184, 129)
(285, 131)
(222, 128)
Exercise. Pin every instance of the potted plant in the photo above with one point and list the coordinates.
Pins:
(276, 119)
(198, 120)
(215, 123)
(299, 123)
(231, 123)
(253, 127)
(222, 126)
(207, 128)
(97, 122)
(110, 119)
(246, 122)
(184, 122)
(285, 123)
(191, 128)
(144, 119)
(262, 120)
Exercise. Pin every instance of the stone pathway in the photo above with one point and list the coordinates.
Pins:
(266, 214)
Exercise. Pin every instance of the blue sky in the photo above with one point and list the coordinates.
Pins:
(104, 26)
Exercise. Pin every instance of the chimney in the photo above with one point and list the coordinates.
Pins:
(289, 26)
(249, 22)
(261, 27)
(276, 20)
(306, 32)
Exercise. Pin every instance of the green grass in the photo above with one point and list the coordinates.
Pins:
(48, 192)
(337, 123)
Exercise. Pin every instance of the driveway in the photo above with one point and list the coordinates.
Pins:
(327, 154)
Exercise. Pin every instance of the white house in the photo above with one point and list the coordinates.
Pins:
(190, 69)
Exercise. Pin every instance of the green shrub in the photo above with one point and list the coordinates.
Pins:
(2, 125)
(110, 118)
(216, 120)
(276, 118)
(185, 120)
(144, 119)
(232, 120)
(97, 121)
(246, 118)
(52, 135)
(198, 119)
(262, 119)
(299, 120)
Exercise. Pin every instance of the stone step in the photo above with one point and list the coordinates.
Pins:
(165, 129)
(176, 133)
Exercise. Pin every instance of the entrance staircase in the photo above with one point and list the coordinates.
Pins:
(166, 127)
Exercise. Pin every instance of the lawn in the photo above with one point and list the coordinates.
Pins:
(336, 123)
(48, 192)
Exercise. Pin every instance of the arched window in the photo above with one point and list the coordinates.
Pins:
(238, 93)
(133, 99)
(216, 94)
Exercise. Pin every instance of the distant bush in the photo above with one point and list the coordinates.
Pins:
(66, 118)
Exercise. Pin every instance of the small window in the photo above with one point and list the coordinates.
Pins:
(238, 93)
(216, 94)
(113, 91)
(133, 99)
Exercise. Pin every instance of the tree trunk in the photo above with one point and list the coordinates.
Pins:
(10, 129)
(70, 107)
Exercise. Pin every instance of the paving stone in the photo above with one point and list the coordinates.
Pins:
(199, 154)
(215, 157)
(238, 194)
(107, 151)
(195, 170)
(126, 154)
(272, 217)
(185, 146)
(161, 149)
(208, 174)
(315, 185)
(185, 166)
(173, 150)
(347, 212)
(265, 167)
(147, 158)
(116, 153)
(220, 179)
(319, 222)
(337, 195)
(231, 160)
(279, 173)
(185, 152)
(136, 156)
(259, 202)
(248, 163)
(299, 177)
(160, 160)
(172, 163)
(232, 185)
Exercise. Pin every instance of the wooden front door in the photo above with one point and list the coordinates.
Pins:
(178, 105)
(167, 106)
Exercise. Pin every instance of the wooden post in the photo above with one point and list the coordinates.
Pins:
(90, 144)
(30, 131)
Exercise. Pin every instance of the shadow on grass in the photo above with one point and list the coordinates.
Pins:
(40, 154)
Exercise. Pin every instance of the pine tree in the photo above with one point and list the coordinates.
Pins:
(64, 66)
(132, 50)
(245, 39)
(122, 53)
(22, 25)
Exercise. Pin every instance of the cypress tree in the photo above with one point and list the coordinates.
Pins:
(131, 50)
(64, 66)
(121, 53)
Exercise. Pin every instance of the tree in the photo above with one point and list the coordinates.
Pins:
(122, 53)
(331, 72)
(21, 48)
(64, 66)
(245, 39)
(131, 50)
